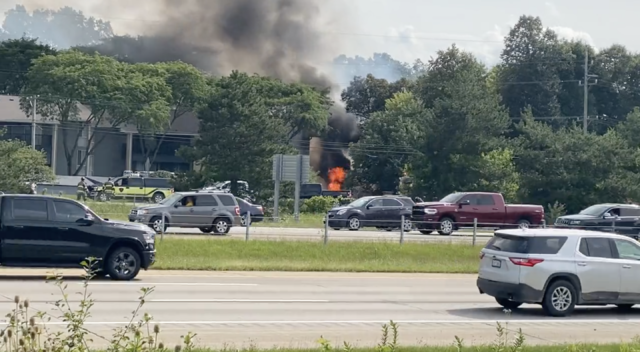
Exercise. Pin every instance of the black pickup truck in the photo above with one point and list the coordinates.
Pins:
(310, 190)
(52, 232)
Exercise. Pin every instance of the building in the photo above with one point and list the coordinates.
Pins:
(114, 149)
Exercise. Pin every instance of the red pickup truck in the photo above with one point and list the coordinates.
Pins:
(459, 209)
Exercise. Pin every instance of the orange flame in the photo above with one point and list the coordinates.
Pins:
(336, 178)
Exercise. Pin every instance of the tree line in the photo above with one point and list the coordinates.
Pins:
(448, 124)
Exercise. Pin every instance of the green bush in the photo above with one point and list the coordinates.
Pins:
(318, 205)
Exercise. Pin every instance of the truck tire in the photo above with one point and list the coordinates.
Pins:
(156, 224)
(123, 264)
(158, 197)
(447, 226)
(524, 224)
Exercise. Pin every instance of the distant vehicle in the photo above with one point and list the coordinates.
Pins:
(256, 211)
(210, 212)
(559, 269)
(459, 209)
(155, 189)
(310, 190)
(243, 189)
(382, 212)
(623, 219)
(53, 232)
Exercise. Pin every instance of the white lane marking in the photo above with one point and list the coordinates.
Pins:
(167, 284)
(239, 300)
(288, 322)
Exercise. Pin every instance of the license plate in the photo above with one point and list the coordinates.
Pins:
(496, 263)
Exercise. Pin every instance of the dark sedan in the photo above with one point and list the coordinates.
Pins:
(383, 212)
(623, 219)
(256, 211)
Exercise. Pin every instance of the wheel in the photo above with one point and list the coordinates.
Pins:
(102, 197)
(221, 226)
(243, 220)
(508, 304)
(354, 223)
(206, 229)
(407, 225)
(446, 226)
(426, 232)
(624, 307)
(123, 264)
(156, 224)
(158, 197)
(524, 224)
(559, 299)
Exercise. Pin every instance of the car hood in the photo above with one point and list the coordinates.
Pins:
(341, 208)
(149, 207)
(127, 225)
(579, 217)
(435, 204)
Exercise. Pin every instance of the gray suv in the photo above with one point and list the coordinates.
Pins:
(210, 212)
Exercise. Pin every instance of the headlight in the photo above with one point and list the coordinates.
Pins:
(142, 212)
(575, 222)
(340, 212)
(149, 237)
(430, 211)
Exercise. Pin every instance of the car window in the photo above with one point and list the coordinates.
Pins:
(68, 212)
(407, 201)
(630, 212)
(241, 201)
(598, 247)
(627, 250)
(485, 199)
(135, 182)
(526, 245)
(376, 203)
(122, 182)
(387, 202)
(472, 198)
(156, 183)
(226, 200)
(206, 201)
(30, 209)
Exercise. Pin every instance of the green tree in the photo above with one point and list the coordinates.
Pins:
(498, 173)
(21, 165)
(382, 154)
(367, 95)
(114, 93)
(16, 56)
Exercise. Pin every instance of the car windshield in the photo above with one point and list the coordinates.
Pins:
(595, 210)
(360, 202)
(174, 197)
(452, 198)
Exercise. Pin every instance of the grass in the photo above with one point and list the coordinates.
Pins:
(452, 348)
(227, 254)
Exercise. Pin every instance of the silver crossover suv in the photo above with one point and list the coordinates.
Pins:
(559, 269)
(208, 211)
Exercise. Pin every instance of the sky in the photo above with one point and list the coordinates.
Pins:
(412, 29)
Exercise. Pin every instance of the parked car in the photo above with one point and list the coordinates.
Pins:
(618, 218)
(310, 190)
(376, 211)
(559, 269)
(256, 211)
(461, 208)
(155, 189)
(53, 232)
(210, 212)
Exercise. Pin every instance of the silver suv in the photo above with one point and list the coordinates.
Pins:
(210, 212)
(559, 269)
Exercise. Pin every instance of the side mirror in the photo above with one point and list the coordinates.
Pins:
(86, 221)
(177, 205)
(464, 202)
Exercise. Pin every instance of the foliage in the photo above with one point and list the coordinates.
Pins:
(498, 173)
(16, 57)
(20, 165)
(318, 205)
(554, 211)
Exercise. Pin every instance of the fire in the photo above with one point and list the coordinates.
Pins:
(336, 178)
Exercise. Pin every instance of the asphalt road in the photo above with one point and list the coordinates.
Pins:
(256, 309)
(302, 234)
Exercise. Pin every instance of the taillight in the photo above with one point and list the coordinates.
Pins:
(237, 210)
(530, 262)
(481, 255)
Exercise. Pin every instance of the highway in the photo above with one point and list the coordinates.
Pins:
(310, 234)
(254, 309)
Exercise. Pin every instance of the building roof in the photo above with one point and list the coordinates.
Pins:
(10, 112)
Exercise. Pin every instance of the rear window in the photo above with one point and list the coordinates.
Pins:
(407, 201)
(526, 245)
(157, 183)
(227, 201)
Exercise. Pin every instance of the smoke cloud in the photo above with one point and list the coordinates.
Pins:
(286, 39)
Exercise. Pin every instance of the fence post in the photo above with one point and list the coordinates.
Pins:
(248, 226)
(544, 223)
(326, 229)
(402, 229)
(162, 229)
(475, 231)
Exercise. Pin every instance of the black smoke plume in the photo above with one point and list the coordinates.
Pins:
(278, 38)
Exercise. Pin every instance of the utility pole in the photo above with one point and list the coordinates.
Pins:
(33, 123)
(585, 83)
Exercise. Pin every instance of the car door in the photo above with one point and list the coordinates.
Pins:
(392, 210)
(203, 211)
(598, 270)
(467, 212)
(121, 185)
(374, 213)
(181, 214)
(629, 217)
(75, 240)
(26, 233)
(135, 188)
(628, 253)
(487, 212)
